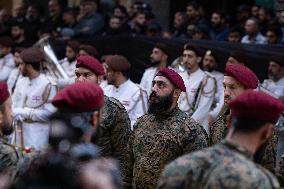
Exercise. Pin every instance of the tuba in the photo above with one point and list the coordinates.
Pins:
(178, 65)
(51, 65)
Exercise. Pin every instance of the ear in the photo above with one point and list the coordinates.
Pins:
(100, 79)
(95, 119)
(266, 132)
(177, 93)
(165, 57)
(199, 59)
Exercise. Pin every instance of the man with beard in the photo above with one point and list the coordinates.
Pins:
(6, 58)
(237, 80)
(130, 95)
(209, 64)
(201, 87)
(114, 132)
(31, 102)
(275, 86)
(69, 63)
(229, 164)
(275, 81)
(159, 59)
(18, 35)
(165, 132)
(219, 31)
(9, 157)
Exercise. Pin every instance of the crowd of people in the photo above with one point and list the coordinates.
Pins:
(81, 122)
(250, 24)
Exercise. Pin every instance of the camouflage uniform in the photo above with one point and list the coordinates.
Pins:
(280, 171)
(265, 156)
(222, 166)
(157, 140)
(219, 129)
(9, 160)
(114, 135)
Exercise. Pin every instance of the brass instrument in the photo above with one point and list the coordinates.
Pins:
(18, 138)
(178, 65)
(51, 65)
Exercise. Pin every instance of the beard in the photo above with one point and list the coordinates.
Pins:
(208, 68)
(155, 62)
(159, 104)
(6, 128)
(227, 99)
(71, 59)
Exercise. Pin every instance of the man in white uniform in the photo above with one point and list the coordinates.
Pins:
(275, 81)
(275, 86)
(209, 64)
(131, 96)
(159, 60)
(201, 87)
(7, 61)
(31, 102)
(69, 63)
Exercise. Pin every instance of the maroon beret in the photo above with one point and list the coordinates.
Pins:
(277, 59)
(4, 92)
(92, 51)
(118, 63)
(80, 97)
(163, 47)
(193, 48)
(240, 56)
(32, 55)
(242, 74)
(90, 63)
(6, 41)
(174, 77)
(256, 105)
(73, 45)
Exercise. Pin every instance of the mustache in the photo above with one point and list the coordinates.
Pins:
(227, 98)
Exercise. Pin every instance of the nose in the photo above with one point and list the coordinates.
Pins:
(154, 88)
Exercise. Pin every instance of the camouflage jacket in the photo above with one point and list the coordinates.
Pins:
(113, 139)
(157, 140)
(9, 160)
(280, 171)
(224, 165)
(265, 156)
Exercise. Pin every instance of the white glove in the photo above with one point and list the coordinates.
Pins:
(21, 114)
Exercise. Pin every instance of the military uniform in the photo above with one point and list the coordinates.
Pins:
(147, 78)
(114, 136)
(131, 96)
(7, 64)
(265, 156)
(197, 101)
(9, 160)
(157, 140)
(280, 171)
(31, 108)
(224, 165)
